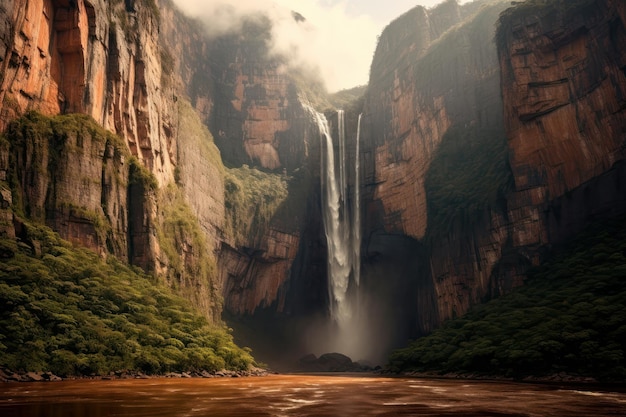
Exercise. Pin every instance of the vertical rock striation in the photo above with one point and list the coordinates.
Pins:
(564, 89)
(434, 83)
(110, 61)
(482, 154)
(258, 115)
(132, 66)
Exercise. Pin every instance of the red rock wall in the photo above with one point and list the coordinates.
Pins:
(258, 116)
(564, 90)
(104, 59)
(424, 80)
(557, 83)
(89, 57)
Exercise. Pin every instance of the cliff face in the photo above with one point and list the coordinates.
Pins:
(434, 86)
(132, 66)
(89, 57)
(73, 175)
(257, 116)
(484, 155)
(564, 86)
(111, 61)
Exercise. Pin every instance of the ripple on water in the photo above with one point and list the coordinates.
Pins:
(305, 396)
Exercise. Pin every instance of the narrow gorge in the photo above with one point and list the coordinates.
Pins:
(249, 205)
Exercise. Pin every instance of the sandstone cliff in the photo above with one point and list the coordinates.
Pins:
(258, 116)
(132, 66)
(481, 157)
(107, 60)
(434, 89)
(478, 155)
(564, 85)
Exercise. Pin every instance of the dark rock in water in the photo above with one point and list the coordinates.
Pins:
(336, 362)
(329, 362)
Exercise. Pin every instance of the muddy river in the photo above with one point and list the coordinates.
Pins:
(304, 395)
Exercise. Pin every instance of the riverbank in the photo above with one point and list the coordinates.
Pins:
(561, 377)
(7, 375)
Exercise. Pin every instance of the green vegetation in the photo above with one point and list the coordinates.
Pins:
(251, 199)
(140, 175)
(569, 317)
(195, 135)
(469, 173)
(71, 313)
(168, 64)
(309, 84)
(346, 99)
(193, 266)
(34, 126)
(39, 146)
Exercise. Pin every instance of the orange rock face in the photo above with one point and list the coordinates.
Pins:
(564, 88)
(107, 60)
(56, 60)
(257, 281)
(425, 80)
(562, 79)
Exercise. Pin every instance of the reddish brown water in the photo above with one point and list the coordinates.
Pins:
(303, 395)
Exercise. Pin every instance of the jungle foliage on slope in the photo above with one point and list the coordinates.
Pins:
(71, 313)
(252, 198)
(463, 179)
(569, 317)
(349, 99)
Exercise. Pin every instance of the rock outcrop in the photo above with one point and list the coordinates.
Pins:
(478, 155)
(482, 156)
(132, 66)
(110, 61)
(432, 83)
(564, 89)
(258, 116)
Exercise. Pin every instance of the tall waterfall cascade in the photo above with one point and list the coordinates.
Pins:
(342, 218)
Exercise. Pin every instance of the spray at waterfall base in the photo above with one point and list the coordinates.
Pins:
(342, 229)
(367, 311)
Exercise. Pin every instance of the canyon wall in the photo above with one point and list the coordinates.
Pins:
(481, 150)
(111, 193)
(132, 67)
(564, 86)
(484, 152)
(434, 85)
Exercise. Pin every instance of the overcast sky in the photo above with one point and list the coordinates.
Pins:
(338, 37)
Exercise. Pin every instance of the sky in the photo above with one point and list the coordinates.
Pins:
(337, 39)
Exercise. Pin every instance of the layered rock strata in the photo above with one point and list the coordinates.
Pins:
(564, 90)
(426, 78)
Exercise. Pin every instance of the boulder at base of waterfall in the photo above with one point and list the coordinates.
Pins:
(329, 362)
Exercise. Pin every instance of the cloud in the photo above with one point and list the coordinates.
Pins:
(338, 43)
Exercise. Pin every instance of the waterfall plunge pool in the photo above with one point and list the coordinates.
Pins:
(305, 395)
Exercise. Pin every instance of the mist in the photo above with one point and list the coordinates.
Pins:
(331, 41)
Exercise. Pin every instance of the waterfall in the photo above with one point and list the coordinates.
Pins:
(341, 226)
(356, 209)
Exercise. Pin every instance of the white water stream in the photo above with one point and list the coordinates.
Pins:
(343, 232)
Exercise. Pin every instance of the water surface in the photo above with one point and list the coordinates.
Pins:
(304, 395)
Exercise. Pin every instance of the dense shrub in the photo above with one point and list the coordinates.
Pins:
(569, 317)
(463, 180)
(71, 313)
(252, 198)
